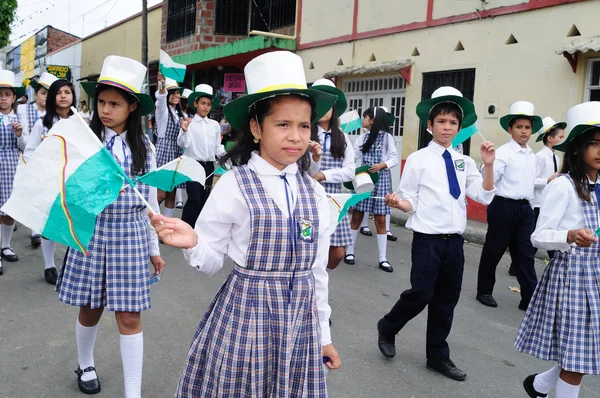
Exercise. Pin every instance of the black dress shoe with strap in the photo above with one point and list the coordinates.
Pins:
(446, 367)
(349, 259)
(90, 386)
(36, 240)
(10, 257)
(528, 386)
(386, 345)
(384, 265)
(366, 231)
(391, 237)
(51, 275)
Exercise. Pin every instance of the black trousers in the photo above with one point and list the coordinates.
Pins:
(197, 195)
(510, 225)
(436, 279)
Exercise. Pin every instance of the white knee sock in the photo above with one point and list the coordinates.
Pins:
(178, 196)
(48, 251)
(544, 382)
(7, 231)
(354, 235)
(388, 218)
(365, 221)
(382, 247)
(168, 212)
(132, 355)
(86, 338)
(566, 390)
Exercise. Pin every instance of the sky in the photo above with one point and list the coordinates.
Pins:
(78, 17)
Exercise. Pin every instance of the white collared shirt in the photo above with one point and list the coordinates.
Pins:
(12, 117)
(515, 171)
(202, 141)
(224, 227)
(161, 113)
(560, 211)
(118, 151)
(334, 176)
(389, 154)
(544, 169)
(424, 183)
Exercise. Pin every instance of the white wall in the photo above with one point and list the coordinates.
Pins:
(71, 57)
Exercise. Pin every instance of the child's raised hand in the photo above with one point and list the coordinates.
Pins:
(173, 231)
(583, 237)
(184, 124)
(488, 153)
(315, 148)
(334, 362)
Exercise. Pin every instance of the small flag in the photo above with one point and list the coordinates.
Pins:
(350, 121)
(180, 170)
(340, 203)
(171, 69)
(465, 134)
(67, 182)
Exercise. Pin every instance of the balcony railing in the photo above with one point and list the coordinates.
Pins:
(181, 19)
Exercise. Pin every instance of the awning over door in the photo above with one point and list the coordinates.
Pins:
(579, 45)
(402, 67)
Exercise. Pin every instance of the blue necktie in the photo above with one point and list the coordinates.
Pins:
(327, 135)
(452, 180)
(596, 188)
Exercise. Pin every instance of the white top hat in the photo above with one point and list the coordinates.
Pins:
(324, 82)
(548, 124)
(273, 71)
(363, 183)
(122, 72)
(46, 80)
(7, 79)
(171, 84)
(445, 91)
(580, 119)
(522, 108)
(204, 88)
(186, 93)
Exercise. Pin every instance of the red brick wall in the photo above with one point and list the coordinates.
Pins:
(58, 39)
(205, 28)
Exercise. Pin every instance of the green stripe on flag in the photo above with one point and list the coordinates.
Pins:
(354, 199)
(351, 126)
(464, 135)
(165, 180)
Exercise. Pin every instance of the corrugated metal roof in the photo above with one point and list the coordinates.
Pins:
(581, 45)
(369, 68)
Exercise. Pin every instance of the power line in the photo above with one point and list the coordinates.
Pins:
(105, 15)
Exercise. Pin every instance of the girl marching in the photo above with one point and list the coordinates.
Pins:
(60, 98)
(114, 276)
(266, 333)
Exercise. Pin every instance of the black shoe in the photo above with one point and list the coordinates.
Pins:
(90, 386)
(391, 238)
(36, 240)
(330, 322)
(51, 275)
(11, 258)
(15, 228)
(366, 231)
(384, 265)
(349, 259)
(512, 270)
(446, 367)
(386, 346)
(528, 386)
(486, 299)
(1, 269)
(523, 305)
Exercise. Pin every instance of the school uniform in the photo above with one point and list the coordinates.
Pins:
(10, 145)
(336, 171)
(167, 129)
(561, 322)
(246, 343)
(115, 273)
(547, 163)
(383, 150)
(511, 220)
(38, 133)
(30, 114)
(202, 142)
(438, 219)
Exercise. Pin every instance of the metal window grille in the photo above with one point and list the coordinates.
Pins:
(265, 15)
(181, 19)
(232, 17)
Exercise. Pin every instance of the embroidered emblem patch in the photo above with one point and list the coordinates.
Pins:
(306, 230)
(378, 148)
(459, 165)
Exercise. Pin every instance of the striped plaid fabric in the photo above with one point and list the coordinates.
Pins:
(9, 158)
(562, 322)
(341, 236)
(32, 115)
(115, 274)
(383, 186)
(258, 338)
(166, 147)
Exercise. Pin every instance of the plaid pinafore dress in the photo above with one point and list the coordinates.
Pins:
(166, 147)
(341, 236)
(115, 274)
(9, 156)
(562, 322)
(384, 185)
(260, 336)
(32, 116)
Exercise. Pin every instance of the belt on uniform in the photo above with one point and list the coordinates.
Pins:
(437, 236)
(503, 199)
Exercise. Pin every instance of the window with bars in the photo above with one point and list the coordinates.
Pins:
(265, 15)
(375, 84)
(592, 92)
(231, 17)
(181, 19)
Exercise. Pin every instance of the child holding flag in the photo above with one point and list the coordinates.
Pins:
(114, 276)
(271, 218)
(61, 96)
(434, 184)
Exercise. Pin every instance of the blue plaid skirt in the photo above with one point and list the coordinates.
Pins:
(382, 188)
(9, 158)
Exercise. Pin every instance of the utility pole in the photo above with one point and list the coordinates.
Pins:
(145, 52)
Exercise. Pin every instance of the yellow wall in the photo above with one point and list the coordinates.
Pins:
(378, 14)
(529, 70)
(124, 40)
(28, 57)
(447, 8)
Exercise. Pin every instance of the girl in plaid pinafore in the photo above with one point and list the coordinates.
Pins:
(378, 150)
(562, 322)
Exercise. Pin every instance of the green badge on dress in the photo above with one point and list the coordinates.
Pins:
(306, 230)
(459, 164)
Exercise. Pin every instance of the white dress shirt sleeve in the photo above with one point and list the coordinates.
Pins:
(391, 155)
(500, 164)
(474, 184)
(357, 151)
(161, 114)
(409, 183)
(314, 167)
(347, 171)
(220, 151)
(34, 140)
(153, 201)
(540, 180)
(184, 139)
(555, 201)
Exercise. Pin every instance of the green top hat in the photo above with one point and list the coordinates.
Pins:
(522, 109)
(548, 124)
(362, 170)
(452, 95)
(270, 75)
(580, 119)
(202, 90)
(126, 74)
(327, 86)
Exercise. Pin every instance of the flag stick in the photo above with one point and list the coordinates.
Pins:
(481, 135)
